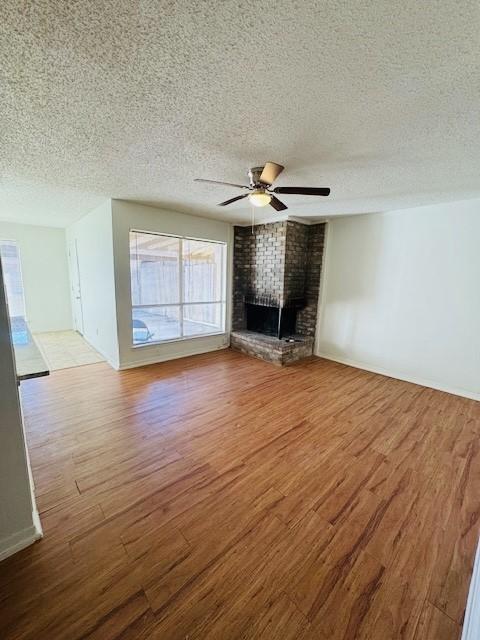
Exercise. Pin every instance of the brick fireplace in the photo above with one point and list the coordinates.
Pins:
(276, 281)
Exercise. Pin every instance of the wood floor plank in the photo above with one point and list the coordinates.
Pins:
(341, 614)
(435, 625)
(84, 604)
(278, 619)
(218, 496)
(329, 561)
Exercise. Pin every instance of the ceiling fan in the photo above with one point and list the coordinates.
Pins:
(260, 192)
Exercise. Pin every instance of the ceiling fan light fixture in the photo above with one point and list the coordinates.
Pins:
(259, 198)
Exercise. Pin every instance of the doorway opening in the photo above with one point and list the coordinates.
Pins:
(39, 304)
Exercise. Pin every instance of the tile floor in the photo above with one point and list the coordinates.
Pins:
(65, 349)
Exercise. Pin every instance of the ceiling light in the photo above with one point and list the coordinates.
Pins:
(259, 198)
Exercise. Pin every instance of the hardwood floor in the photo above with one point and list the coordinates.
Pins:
(221, 497)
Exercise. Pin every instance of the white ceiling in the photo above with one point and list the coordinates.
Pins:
(379, 100)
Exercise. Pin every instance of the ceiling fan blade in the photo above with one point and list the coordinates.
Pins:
(277, 204)
(223, 204)
(303, 191)
(229, 184)
(270, 172)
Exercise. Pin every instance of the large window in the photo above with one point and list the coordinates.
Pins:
(12, 276)
(178, 287)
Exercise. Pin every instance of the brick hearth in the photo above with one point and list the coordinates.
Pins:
(280, 352)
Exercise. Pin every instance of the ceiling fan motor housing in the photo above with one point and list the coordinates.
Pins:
(254, 176)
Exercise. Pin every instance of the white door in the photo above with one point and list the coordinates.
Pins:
(76, 288)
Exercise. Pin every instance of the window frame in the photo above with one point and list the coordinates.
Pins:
(181, 304)
(22, 281)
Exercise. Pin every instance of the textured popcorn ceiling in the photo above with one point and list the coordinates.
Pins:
(379, 100)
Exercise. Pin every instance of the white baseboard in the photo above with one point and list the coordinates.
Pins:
(154, 359)
(471, 623)
(18, 541)
(432, 384)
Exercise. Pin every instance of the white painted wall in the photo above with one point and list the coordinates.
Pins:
(44, 263)
(19, 523)
(401, 295)
(94, 239)
(128, 215)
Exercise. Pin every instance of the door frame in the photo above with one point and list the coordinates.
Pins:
(76, 287)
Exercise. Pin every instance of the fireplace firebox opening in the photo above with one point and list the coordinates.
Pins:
(271, 320)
